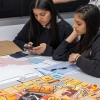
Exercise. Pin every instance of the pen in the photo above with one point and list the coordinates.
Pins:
(58, 68)
(19, 81)
(40, 72)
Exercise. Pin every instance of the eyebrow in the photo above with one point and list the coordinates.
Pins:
(39, 13)
(78, 21)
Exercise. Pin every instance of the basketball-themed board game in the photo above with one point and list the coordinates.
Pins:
(51, 87)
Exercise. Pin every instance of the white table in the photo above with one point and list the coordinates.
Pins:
(84, 77)
(77, 75)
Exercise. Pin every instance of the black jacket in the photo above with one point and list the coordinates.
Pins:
(64, 30)
(90, 65)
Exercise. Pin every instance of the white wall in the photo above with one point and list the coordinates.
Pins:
(70, 21)
(9, 32)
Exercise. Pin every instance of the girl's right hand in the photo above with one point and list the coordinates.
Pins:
(26, 46)
(72, 36)
(75, 32)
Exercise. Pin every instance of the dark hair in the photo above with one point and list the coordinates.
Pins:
(35, 26)
(91, 16)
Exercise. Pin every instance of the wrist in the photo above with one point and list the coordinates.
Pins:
(77, 57)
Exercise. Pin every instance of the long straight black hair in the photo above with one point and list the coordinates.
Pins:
(35, 26)
(91, 16)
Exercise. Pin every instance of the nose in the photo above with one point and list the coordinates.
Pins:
(39, 18)
(74, 26)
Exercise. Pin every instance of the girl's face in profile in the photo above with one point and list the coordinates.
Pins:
(79, 24)
(42, 16)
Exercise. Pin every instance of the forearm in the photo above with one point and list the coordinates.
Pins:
(63, 51)
(72, 37)
(62, 1)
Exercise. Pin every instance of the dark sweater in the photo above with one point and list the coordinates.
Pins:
(64, 30)
(90, 65)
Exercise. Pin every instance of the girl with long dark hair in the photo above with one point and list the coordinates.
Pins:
(86, 52)
(45, 30)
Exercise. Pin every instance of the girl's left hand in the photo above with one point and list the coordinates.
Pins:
(39, 49)
(73, 58)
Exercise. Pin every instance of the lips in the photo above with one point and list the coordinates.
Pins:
(77, 31)
(42, 22)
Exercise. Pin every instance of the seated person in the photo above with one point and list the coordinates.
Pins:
(45, 30)
(86, 52)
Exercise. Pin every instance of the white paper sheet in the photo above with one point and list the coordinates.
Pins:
(61, 68)
(13, 71)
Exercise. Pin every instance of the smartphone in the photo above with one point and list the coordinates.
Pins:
(28, 47)
(18, 55)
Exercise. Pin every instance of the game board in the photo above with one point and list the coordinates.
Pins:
(52, 87)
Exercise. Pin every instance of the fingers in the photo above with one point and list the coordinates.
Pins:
(35, 52)
(71, 60)
(25, 44)
(30, 44)
(37, 48)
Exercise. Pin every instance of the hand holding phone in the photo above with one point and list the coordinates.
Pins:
(28, 47)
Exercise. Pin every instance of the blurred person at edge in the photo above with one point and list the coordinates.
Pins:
(69, 5)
